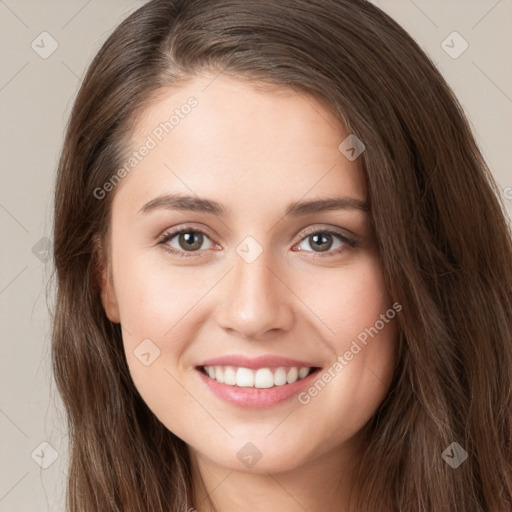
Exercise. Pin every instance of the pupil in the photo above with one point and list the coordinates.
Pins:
(192, 240)
(322, 246)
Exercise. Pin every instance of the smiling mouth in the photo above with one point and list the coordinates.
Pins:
(262, 378)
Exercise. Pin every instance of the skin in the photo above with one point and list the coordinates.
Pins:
(255, 152)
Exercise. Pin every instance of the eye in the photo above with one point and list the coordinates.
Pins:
(322, 241)
(187, 240)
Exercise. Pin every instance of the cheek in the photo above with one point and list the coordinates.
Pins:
(152, 320)
(149, 310)
(347, 300)
(360, 328)
(152, 299)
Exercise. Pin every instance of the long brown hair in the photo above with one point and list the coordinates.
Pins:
(441, 232)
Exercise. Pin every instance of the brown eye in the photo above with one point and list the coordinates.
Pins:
(326, 241)
(184, 241)
(190, 240)
(321, 242)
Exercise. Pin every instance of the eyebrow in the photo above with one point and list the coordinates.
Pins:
(296, 209)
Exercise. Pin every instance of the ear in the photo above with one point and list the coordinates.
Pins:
(103, 281)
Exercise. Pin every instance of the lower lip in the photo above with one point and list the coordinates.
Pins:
(255, 398)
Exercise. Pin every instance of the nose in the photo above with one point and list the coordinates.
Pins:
(255, 300)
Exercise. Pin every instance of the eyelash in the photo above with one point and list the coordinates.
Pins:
(166, 237)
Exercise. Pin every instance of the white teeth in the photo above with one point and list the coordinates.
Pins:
(303, 372)
(280, 377)
(219, 374)
(263, 378)
(229, 376)
(292, 375)
(244, 378)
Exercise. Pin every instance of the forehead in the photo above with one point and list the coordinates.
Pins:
(232, 139)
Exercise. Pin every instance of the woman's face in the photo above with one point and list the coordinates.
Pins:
(265, 279)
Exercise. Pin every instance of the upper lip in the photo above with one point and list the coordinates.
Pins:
(255, 362)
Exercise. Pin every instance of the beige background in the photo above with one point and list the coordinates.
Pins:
(36, 96)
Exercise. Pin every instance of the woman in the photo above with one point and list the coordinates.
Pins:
(284, 274)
